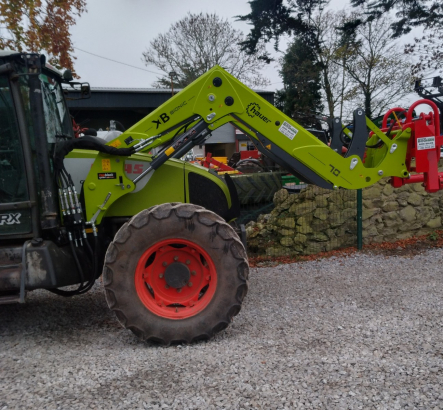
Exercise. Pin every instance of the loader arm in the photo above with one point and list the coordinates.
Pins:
(217, 98)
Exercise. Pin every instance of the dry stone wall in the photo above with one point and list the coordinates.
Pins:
(317, 220)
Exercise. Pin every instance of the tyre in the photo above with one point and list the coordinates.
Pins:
(175, 273)
(257, 188)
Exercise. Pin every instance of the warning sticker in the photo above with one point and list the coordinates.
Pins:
(115, 144)
(288, 130)
(425, 143)
(106, 164)
(107, 175)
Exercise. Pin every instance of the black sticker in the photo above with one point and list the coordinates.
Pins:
(129, 140)
(107, 175)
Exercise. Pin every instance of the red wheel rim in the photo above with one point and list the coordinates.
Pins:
(175, 278)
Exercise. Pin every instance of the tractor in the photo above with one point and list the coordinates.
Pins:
(159, 230)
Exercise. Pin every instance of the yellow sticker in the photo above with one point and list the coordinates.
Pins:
(106, 164)
(169, 151)
(268, 146)
(115, 144)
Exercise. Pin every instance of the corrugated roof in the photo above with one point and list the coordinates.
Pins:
(148, 90)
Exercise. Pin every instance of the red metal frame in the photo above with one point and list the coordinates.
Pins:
(426, 159)
(208, 161)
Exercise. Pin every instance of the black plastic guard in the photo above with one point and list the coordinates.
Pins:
(359, 135)
(234, 210)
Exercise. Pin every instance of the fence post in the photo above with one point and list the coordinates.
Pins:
(359, 219)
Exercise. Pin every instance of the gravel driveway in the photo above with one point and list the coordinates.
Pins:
(359, 332)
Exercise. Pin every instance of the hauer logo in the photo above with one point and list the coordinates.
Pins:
(10, 219)
(253, 110)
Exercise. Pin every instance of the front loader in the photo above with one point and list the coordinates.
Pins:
(158, 228)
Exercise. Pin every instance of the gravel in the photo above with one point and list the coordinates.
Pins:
(360, 332)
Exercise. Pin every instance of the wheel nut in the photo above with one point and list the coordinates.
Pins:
(160, 276)
(188, 262)
(179, 290)
(164, 264)
(190, 284)
(193, 272)
(176, 258)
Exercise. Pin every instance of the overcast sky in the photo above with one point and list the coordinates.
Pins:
(121, 30)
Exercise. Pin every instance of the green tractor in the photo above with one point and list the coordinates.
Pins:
(168, 229)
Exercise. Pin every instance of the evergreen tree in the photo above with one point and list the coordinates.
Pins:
(300, 97)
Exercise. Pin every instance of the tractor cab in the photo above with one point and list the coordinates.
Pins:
(33, 115)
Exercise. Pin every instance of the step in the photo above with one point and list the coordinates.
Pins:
(8, 299)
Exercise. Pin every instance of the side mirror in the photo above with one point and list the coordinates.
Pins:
(78, 91)
(67, 75)
(85, 90)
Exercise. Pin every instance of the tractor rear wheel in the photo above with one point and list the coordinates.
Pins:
(175, 273)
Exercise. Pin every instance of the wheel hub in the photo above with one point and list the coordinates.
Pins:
(177, 275)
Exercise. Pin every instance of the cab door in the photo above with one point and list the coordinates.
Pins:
(15, 204)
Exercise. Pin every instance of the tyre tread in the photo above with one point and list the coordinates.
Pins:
(198, 215)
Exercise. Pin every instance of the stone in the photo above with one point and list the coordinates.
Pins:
(302, 208)
(336, 198)
(300, 238)
(318, 225)
(391, 219)
(377, 239)
(319, 237)
(370, 231)
(348, 194)
(388, 190)
(433, 202)
(293, 199)
(286, 232)
(334, 208)
(350, 204)
(415, 199)
(305, 220)
(424, 214)
(367, 213)
(410, 226)
(287, 222)
(305, 229)
(337, 219)
(434, 223)
(330, 233)
(285, 204)
(407, 213)
(280, 196)
(309, 194)
(321, 213)
(390, 206)
(419, 188)
(286, 241)
(321, 201)
(372, 192)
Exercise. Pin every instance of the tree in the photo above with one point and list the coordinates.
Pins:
(409, 13)
(40, 25)
(274, 19)
(300, 97)
(335, 46)
(196, 43)
(428, 50)
(378, 69)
